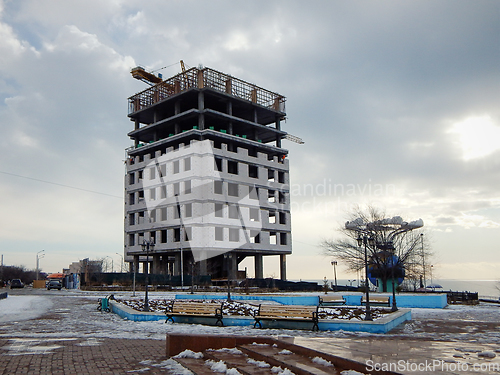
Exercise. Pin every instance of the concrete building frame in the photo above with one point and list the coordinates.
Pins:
(207, 179)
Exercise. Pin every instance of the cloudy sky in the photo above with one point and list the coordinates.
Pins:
(397, 102)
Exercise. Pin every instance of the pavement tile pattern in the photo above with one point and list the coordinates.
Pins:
(81, 356)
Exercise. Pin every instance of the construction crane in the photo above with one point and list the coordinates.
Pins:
(139, 73)
(294, 138)
(149, 77)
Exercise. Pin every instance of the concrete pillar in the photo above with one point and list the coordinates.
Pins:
(203, 267)
(233, 265)
(283, 266)
(156, 264)
(278, 137)
(136, 263)
(201, 107)
(177, 264)
(145, 266)
(259, 267)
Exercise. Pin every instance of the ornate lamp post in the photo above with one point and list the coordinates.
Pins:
(366, 241)
(146, 246)
(334, 264)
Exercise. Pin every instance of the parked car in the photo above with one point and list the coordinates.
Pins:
(16, 283)
(54, 284)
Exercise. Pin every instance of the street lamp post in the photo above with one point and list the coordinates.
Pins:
(365, 241)
(228, 260)
(394, 306)
(37, 262)
(423, 256)
(334, 264)
(146, 246)
(121, 263)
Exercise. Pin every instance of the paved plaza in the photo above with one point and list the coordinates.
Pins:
(61, 332)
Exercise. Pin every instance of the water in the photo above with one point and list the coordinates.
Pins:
(485, 288)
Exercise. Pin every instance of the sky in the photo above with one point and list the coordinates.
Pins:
(396, 101)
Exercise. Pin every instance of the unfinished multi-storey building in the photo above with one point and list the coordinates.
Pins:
(207, 180)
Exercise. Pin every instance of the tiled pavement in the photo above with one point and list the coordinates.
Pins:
(81, 356)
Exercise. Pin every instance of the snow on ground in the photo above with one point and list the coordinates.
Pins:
(74, 314)
(17, 308)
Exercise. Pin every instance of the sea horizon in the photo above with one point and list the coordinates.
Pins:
(485, 288)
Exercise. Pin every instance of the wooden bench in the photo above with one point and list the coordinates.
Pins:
(377, 301)
(282, 312)
(195, 309)
(331, 300)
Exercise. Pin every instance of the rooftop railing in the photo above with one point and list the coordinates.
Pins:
(206, 78)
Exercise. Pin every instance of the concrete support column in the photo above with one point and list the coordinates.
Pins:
(201, 107)
(278, 137)
(145, 266)
(135, 265)
(233, 265)
(283, 266)
(203, 267)
(259, 267)
(156, 264)
(177, 264)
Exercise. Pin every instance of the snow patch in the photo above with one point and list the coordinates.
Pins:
(189, 354)
(322, 361)
(174, 367)
(258, 363)
(350, 372)
(280, 371)
(216, 366)
(228, 350)
(19, 308)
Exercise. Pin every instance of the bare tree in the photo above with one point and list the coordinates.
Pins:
(396, 246)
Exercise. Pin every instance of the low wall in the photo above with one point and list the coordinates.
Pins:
(382, 325)
(126, 312)
(429, 301)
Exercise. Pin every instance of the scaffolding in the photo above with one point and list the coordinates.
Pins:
(199, 78)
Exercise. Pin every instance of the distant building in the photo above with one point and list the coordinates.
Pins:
(207, 180)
